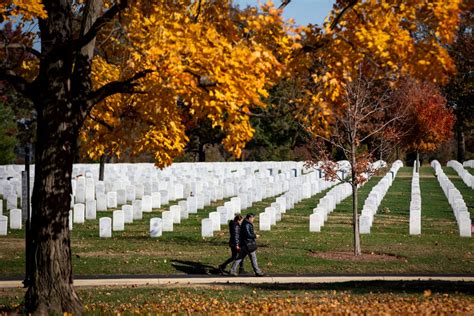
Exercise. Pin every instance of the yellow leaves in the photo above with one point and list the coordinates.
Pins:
(213, 67)
(27, 9)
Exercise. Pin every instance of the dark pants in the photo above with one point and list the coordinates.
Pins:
(235, 254)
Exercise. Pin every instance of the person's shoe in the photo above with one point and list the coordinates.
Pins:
(260, 274)
(233, 274)
(221, 270)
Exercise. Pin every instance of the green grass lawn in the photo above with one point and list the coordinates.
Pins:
(288, 248)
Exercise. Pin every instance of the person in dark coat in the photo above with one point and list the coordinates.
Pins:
(234, 243)
(248, 246)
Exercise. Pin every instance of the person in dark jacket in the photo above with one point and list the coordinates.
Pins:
(234, 243)
(248, 246)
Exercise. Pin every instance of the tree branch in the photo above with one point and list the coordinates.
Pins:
(126, 86)
(101, 122)
(342, 13)
(99, 23)
(19, 83)
(379, 129)
(25, 48)
(283, 4)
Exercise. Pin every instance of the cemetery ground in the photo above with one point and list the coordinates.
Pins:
(289, 248)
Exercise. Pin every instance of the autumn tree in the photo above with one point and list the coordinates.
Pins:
(124, 68)
(363, 42)
(459, 91)
(211, 65)
(429, 122)
(366, 115)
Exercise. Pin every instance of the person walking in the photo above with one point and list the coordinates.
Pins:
(234, 244)
(248, 246)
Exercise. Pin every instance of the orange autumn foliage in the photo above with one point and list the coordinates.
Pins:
(429, 122)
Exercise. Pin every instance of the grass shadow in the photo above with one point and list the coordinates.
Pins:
(365, 287)
(192, 267)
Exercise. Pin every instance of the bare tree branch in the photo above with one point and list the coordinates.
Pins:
(283, 4)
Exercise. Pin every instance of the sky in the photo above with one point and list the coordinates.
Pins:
(302, 11)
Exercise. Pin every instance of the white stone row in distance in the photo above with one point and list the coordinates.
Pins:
(415, 204)
(375, 197)
(455, 199)
(336, 195)
(463, 173)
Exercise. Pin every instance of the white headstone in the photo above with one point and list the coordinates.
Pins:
(222, 210)
(364, 224)
(12, 201)
(70, 219)
(237, 204)
(3, 225)
(156, 227)
(178, 191)
(155, 200)
(79, 210)
(90, 189)
(265, 221)
(207, 227)
(121, 196)
(127, 213)
(146, 203)
(216, 220)
(15, 219)
(112, 200)
(118, 221)
(139, 190)
(91, 209)
(415, 222)
(137, 209)
(164, 197)
(101, 202)
(167, 220)
(315, 222)
(105, 227)
(176, 211)
(192, 205)
(184, 209)
(130, 192)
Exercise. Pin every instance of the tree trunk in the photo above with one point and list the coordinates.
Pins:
(102, 167)
(61, 88)
(51, 289)
(417, 162)
(201, 153)
(355, 215)
(461, 143)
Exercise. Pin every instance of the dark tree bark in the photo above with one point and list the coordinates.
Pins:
(62, 94)
(102, 167)
(355, 215)
(461, 156)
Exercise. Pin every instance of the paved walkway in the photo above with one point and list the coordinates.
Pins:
(151, 280)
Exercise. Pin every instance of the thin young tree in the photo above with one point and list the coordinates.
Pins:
(365, 115)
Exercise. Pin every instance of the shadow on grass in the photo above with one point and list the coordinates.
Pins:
(365, 287)
(192, 267)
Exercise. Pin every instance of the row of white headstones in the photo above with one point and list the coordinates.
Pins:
(455, 199)
(376, 195)
(465, 175)
(210, 182)
(335, 196)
